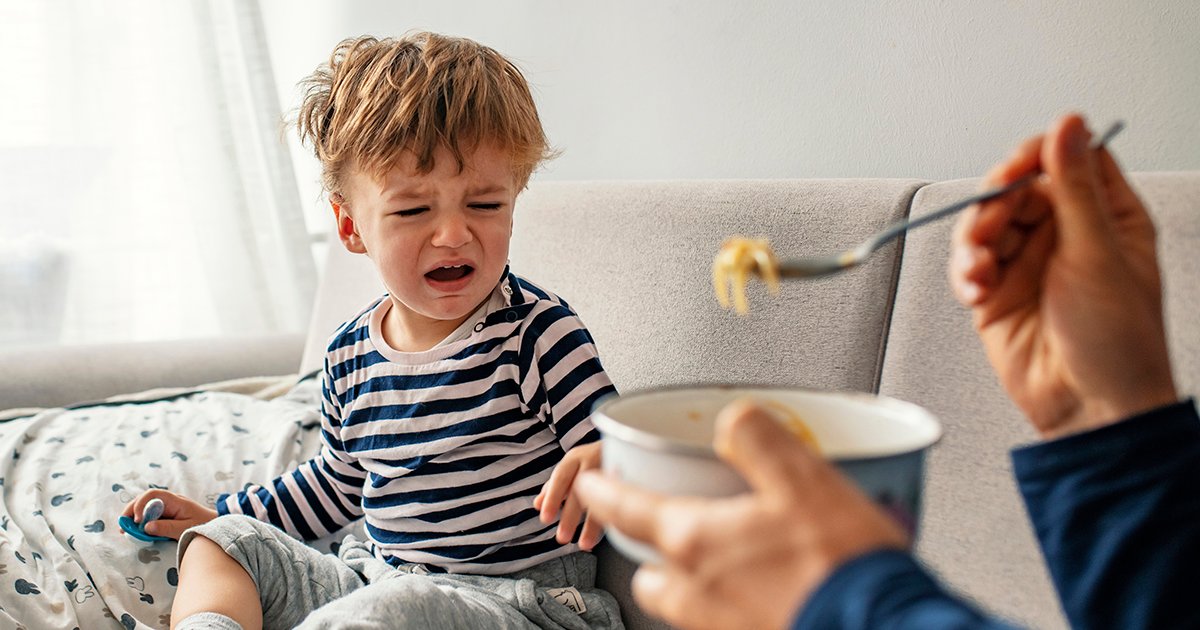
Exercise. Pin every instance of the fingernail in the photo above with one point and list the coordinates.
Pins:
(649, 581)
(970, 292)
(961, 260)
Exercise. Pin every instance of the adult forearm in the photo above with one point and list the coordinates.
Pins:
(888, 589)
(1117, 514)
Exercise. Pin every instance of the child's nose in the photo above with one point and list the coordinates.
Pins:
(451, 231)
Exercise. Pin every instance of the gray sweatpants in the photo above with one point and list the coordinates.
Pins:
(300, 587)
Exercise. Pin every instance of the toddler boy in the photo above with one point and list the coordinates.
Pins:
(455, 407)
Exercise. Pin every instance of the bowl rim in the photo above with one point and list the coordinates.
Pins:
(651, 441)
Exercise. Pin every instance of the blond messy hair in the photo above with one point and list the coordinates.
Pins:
(376, 98)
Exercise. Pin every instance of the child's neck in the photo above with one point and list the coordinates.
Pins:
(407, 331)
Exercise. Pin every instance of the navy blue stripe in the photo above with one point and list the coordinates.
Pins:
(479, 506)
(537, 291)
(355, 363)
(457, 493)
(423, 461)
(461, 405)
(512, 553)
(567, 344)
(333, 494)
(527, 550)
(463, 553)
(483, 371)
(313, 500)
(403, 538)
(289, 504)
(471, 426)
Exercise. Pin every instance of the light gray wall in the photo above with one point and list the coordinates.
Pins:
(933, 89)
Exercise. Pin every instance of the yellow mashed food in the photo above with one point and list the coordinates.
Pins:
(791, 420)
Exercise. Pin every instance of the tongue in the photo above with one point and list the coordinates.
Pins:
(448, 274)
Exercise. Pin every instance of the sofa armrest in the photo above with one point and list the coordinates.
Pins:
(63, 375)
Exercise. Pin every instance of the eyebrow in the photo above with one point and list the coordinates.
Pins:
(417, 193)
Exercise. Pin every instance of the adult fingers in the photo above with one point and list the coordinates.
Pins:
(636, 512)
(590, 536)
(1074, 185)
(1022, 277)
(671, 593)
(989, 219)
(772, 460)
(1119, 191)
(973, 271)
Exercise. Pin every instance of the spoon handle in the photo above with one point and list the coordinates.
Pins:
(822, 266)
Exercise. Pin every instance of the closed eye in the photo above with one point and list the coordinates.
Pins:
(411, 212)
(486, 206)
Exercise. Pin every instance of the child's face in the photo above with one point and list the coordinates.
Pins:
(439, 240)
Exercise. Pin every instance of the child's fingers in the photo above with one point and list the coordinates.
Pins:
(170, 528)
(572, 512)
(134, 508)
(556, 488)
(592, 531)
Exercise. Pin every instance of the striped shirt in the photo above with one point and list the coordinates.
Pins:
(443, 451)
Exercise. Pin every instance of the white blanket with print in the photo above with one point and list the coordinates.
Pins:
(66, 475)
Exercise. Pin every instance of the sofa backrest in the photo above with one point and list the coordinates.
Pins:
(974, 531)
(635, 260)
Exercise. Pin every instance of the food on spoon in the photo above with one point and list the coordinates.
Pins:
(738, 258)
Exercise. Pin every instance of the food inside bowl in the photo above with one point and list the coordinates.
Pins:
(785, 415)
(792, 422)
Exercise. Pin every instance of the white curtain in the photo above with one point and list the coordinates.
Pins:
(148, 191)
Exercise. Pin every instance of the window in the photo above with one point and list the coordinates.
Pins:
(148, 192)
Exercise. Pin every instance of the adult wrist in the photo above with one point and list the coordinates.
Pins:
(1100, 412)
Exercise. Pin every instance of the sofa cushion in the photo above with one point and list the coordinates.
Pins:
(975, 532)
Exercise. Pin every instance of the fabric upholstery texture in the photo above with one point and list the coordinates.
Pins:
(635, 260)
(48, 377)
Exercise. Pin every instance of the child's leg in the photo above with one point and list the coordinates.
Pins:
(559, 593)
(238, 558)
(211, 581)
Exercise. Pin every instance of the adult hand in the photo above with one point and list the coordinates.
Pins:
(748, 561)
(179, 513)
(1064, 286)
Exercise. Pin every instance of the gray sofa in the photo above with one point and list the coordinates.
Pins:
(634, 259)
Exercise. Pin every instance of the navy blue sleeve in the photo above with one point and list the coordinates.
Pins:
(888, 589)
(1117, 512)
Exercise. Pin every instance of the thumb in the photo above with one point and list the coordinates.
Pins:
(771, 459)
(1075, 186)
(170, 528)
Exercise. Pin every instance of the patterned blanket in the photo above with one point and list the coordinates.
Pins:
(66, 475)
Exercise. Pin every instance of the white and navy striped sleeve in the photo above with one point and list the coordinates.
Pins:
(319, 496)
(561, 376)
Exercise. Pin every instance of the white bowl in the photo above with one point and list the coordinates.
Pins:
(661, 440)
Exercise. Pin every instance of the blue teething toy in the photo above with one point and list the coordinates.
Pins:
(153, 510)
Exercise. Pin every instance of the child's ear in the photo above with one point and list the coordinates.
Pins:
(347, 230)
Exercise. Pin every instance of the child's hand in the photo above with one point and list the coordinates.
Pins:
(558, 489)
(179, 513)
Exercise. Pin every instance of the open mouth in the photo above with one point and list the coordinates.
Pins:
(450, 274)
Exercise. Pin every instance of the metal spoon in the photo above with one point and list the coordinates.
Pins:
(817, 266)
